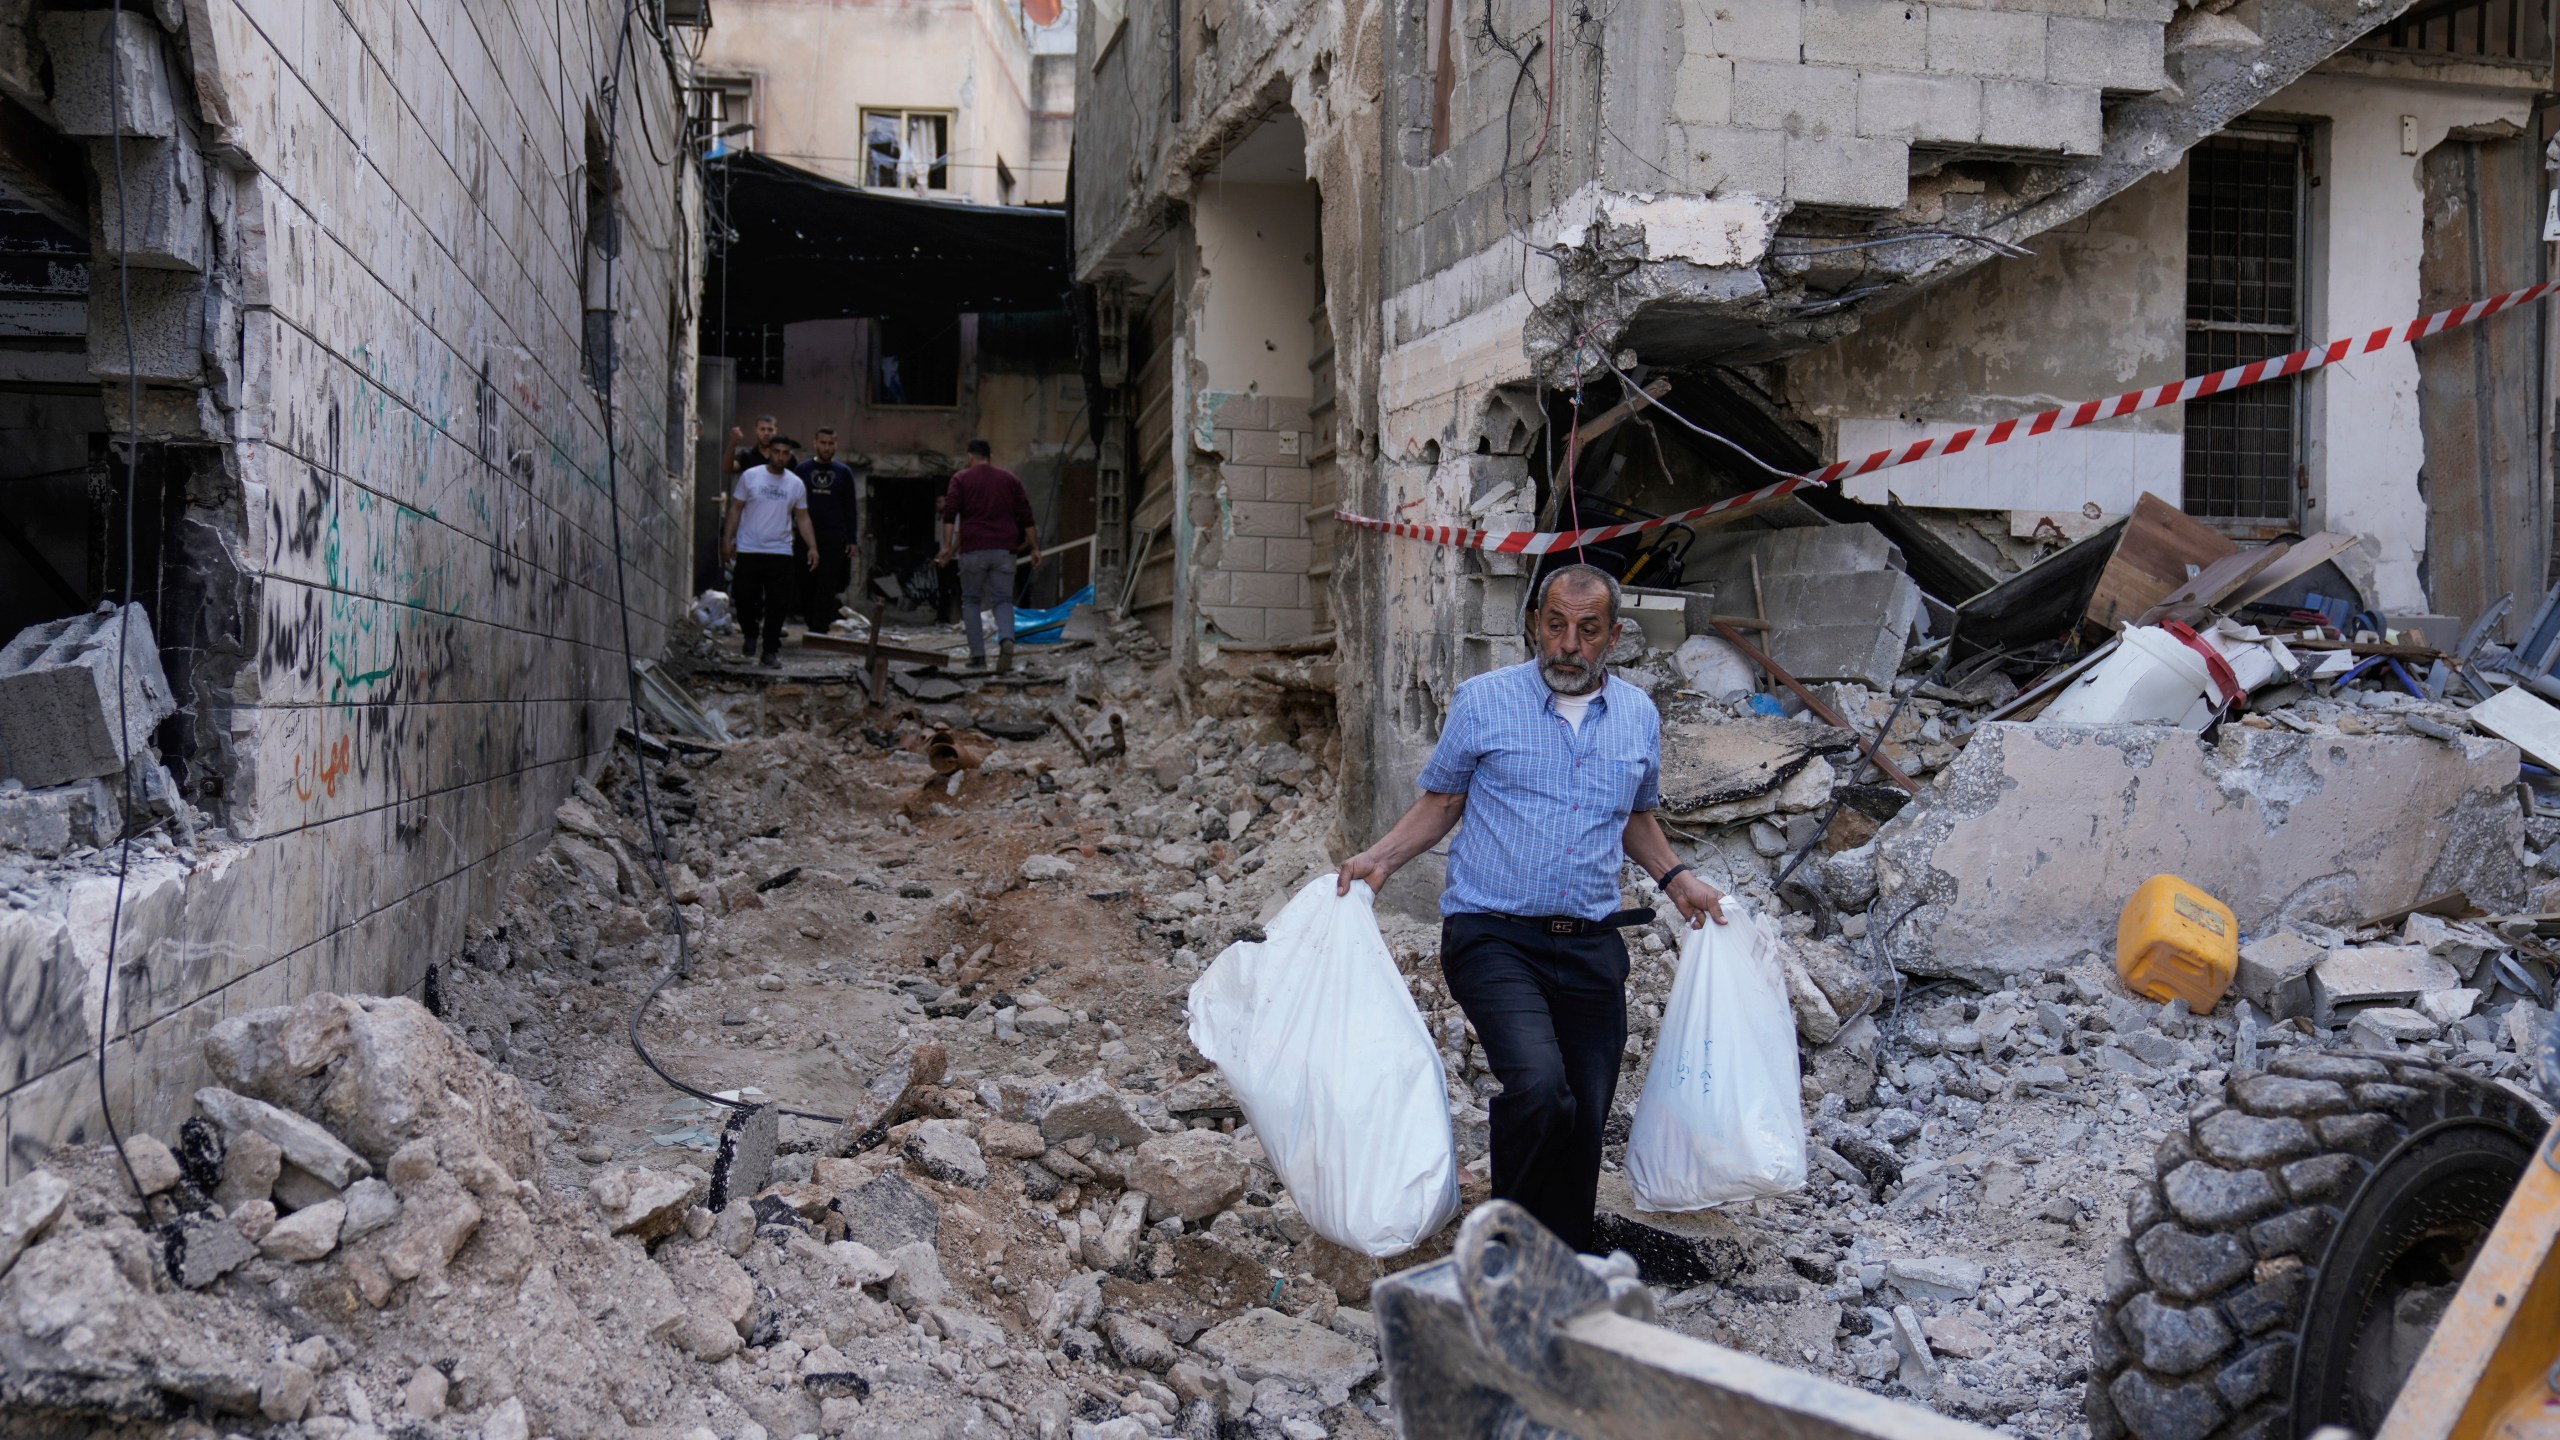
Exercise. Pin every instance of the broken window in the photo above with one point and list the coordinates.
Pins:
(906, 149)
(915, 360)
(2244, 303)
(603, 243)
(724, 113)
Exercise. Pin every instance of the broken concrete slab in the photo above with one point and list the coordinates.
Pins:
(1713, 762)
(305, 1143)
(2377, 974)
(1841, 626)
(2388, 1027)
(745, 1160)
(1696, 1247)
(26, 1209)
(2462, 946)
(80, 695)
(2275, 972)
(2021, 853)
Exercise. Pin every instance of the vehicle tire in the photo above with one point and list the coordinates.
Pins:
(2286, 1264)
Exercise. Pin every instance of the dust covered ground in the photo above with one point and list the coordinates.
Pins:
(1047, 1217)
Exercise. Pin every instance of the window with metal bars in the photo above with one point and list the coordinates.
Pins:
(2244, 302)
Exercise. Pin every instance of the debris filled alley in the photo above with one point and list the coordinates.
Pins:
(2072, 481)
(989, 1187)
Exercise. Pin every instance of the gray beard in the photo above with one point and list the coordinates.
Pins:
(1574, 681)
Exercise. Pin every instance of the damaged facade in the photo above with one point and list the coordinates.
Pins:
(383, 272)
(966, 106)
(1821, 227)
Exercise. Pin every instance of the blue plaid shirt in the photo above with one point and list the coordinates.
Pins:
(1547, 805)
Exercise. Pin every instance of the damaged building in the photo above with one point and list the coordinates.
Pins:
(908, 290)
(355, 348)
(1416, 262)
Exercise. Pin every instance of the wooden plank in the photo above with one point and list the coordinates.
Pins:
(1812, 702)
(2215, 583)
(2301, 559)
(2150, 562)
(2524, 720)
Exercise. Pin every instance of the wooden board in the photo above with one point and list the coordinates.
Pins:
(2213, 585)
(2151, 562)
(2524, 720)
(2305, 556)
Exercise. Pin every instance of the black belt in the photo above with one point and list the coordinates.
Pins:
(1574, 925)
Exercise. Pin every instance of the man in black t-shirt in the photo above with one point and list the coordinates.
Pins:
(745, 454)
(832, 514)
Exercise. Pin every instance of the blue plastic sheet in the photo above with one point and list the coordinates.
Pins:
(1047, 627)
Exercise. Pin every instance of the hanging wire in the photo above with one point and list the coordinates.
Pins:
(124, 629)
(656, 865)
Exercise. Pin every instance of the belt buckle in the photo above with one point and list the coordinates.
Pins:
(1562, 927)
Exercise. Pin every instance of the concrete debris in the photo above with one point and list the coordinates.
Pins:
(1848, 608)
(2378, 974)
(26, 1208)
(1042, 1214)
(2275, 973)
(80, 696)
(2001, 870)
(1711, 762)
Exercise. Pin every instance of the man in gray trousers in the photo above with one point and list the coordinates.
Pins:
(986, 515)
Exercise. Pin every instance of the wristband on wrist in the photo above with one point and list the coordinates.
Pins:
(1663, 880)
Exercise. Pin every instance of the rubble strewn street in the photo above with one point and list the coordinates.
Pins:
(1013, 1200)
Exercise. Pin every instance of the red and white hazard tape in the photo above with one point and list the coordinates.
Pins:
(2069, 417)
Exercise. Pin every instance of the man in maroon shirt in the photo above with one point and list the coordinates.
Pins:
(986, 514)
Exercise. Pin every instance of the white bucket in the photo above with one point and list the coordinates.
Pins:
(2150, 678)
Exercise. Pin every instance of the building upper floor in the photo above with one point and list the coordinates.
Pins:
(964, 100)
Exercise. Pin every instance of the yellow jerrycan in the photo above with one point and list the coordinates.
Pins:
(2176, 942)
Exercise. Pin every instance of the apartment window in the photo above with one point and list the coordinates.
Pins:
(915, 360)
(906, 149)
(2244, 302)
(724, 113)
(602, 244)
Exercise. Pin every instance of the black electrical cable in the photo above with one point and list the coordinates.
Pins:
(622, 600)
(1633, 389)
(132, 497)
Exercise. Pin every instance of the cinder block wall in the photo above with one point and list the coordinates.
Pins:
(423, 514)
(1258, 590)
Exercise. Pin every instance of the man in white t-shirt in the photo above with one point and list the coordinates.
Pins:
(765, 505)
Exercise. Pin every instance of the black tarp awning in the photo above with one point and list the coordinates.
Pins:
(804, 247)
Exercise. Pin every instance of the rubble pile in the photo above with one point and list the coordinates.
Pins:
(946, 1163)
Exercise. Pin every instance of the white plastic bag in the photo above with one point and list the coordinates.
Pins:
(1332, 1064)
(1722, 1114)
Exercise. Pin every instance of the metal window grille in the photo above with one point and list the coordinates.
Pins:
(2517, 30)
(2244, 303)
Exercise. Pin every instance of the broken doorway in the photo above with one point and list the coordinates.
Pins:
(1262, 345)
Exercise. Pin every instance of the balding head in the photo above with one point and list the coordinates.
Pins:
(1574, 626)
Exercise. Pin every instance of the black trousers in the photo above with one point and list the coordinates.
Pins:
(767, 592)
(1551, 1013)
(822, 591)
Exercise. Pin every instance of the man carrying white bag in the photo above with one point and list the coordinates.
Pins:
(1720, 1118)
(1556, 767)
(1330, 1061)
